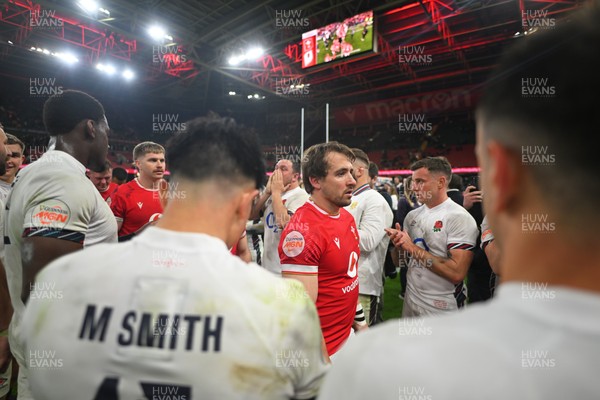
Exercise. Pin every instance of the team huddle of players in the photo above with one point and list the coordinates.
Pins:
(170, 313)
(330, 235)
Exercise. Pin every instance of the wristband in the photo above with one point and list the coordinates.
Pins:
(359, 317)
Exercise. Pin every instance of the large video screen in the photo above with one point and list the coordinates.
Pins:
(339, 40)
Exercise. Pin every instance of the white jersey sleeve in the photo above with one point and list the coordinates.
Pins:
(462, 232)
(486, 233)
(60, 212)
(296, 200)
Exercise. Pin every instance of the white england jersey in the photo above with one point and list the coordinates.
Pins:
(437, 230)
(531, 341)
(52, 197)
(169, 315)
(372, 215)
(292, 200)
(4, 190)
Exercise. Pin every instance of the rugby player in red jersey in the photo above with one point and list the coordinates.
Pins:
(319, 245)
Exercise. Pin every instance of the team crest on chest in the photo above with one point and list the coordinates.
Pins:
(438, 226)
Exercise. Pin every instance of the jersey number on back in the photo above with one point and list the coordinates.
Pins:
(108, 390)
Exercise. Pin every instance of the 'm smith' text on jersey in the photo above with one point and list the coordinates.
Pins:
(161, 331)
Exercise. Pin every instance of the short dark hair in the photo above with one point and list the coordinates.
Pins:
(107, 167)
(214, 147)
(361, 155)
(563, 124)
(62, 112)
(373, 170)
(438, 165)
(314, 163)
(12, 139)
(296, 167)
(120, 174)
(456, 182)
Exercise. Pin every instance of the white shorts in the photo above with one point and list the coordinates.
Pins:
(415, 307)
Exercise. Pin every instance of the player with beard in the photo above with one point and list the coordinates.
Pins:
(5, 306)
(14, 159)
(320, 245)
(280, 200)
(538, 337)
(137, 202)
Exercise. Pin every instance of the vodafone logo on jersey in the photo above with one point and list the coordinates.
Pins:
(293, 244)
(53, 214)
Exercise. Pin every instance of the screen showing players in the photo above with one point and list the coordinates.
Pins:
(338, 40)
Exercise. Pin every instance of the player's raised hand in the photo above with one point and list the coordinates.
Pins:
(471, 196)
(394, 234)
(277, 185)
(268, 185)
(405, 239)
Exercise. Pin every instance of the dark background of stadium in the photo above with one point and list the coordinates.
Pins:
(463, 38)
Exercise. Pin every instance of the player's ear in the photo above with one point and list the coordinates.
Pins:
(89, 128)
(242, 207)
(442, 182)
(315, 182)
(246, 202)
(505, 173)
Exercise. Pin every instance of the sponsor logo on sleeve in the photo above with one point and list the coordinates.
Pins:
(53, 214)
(293, 244)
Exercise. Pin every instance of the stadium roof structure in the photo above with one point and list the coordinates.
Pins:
(189, 64)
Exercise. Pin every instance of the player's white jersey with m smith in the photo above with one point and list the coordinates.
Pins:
(437, 230)
(52, 197)
(181, 318)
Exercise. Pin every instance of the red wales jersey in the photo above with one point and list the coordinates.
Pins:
(135, 206)
(109, 192)
(314, 242)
